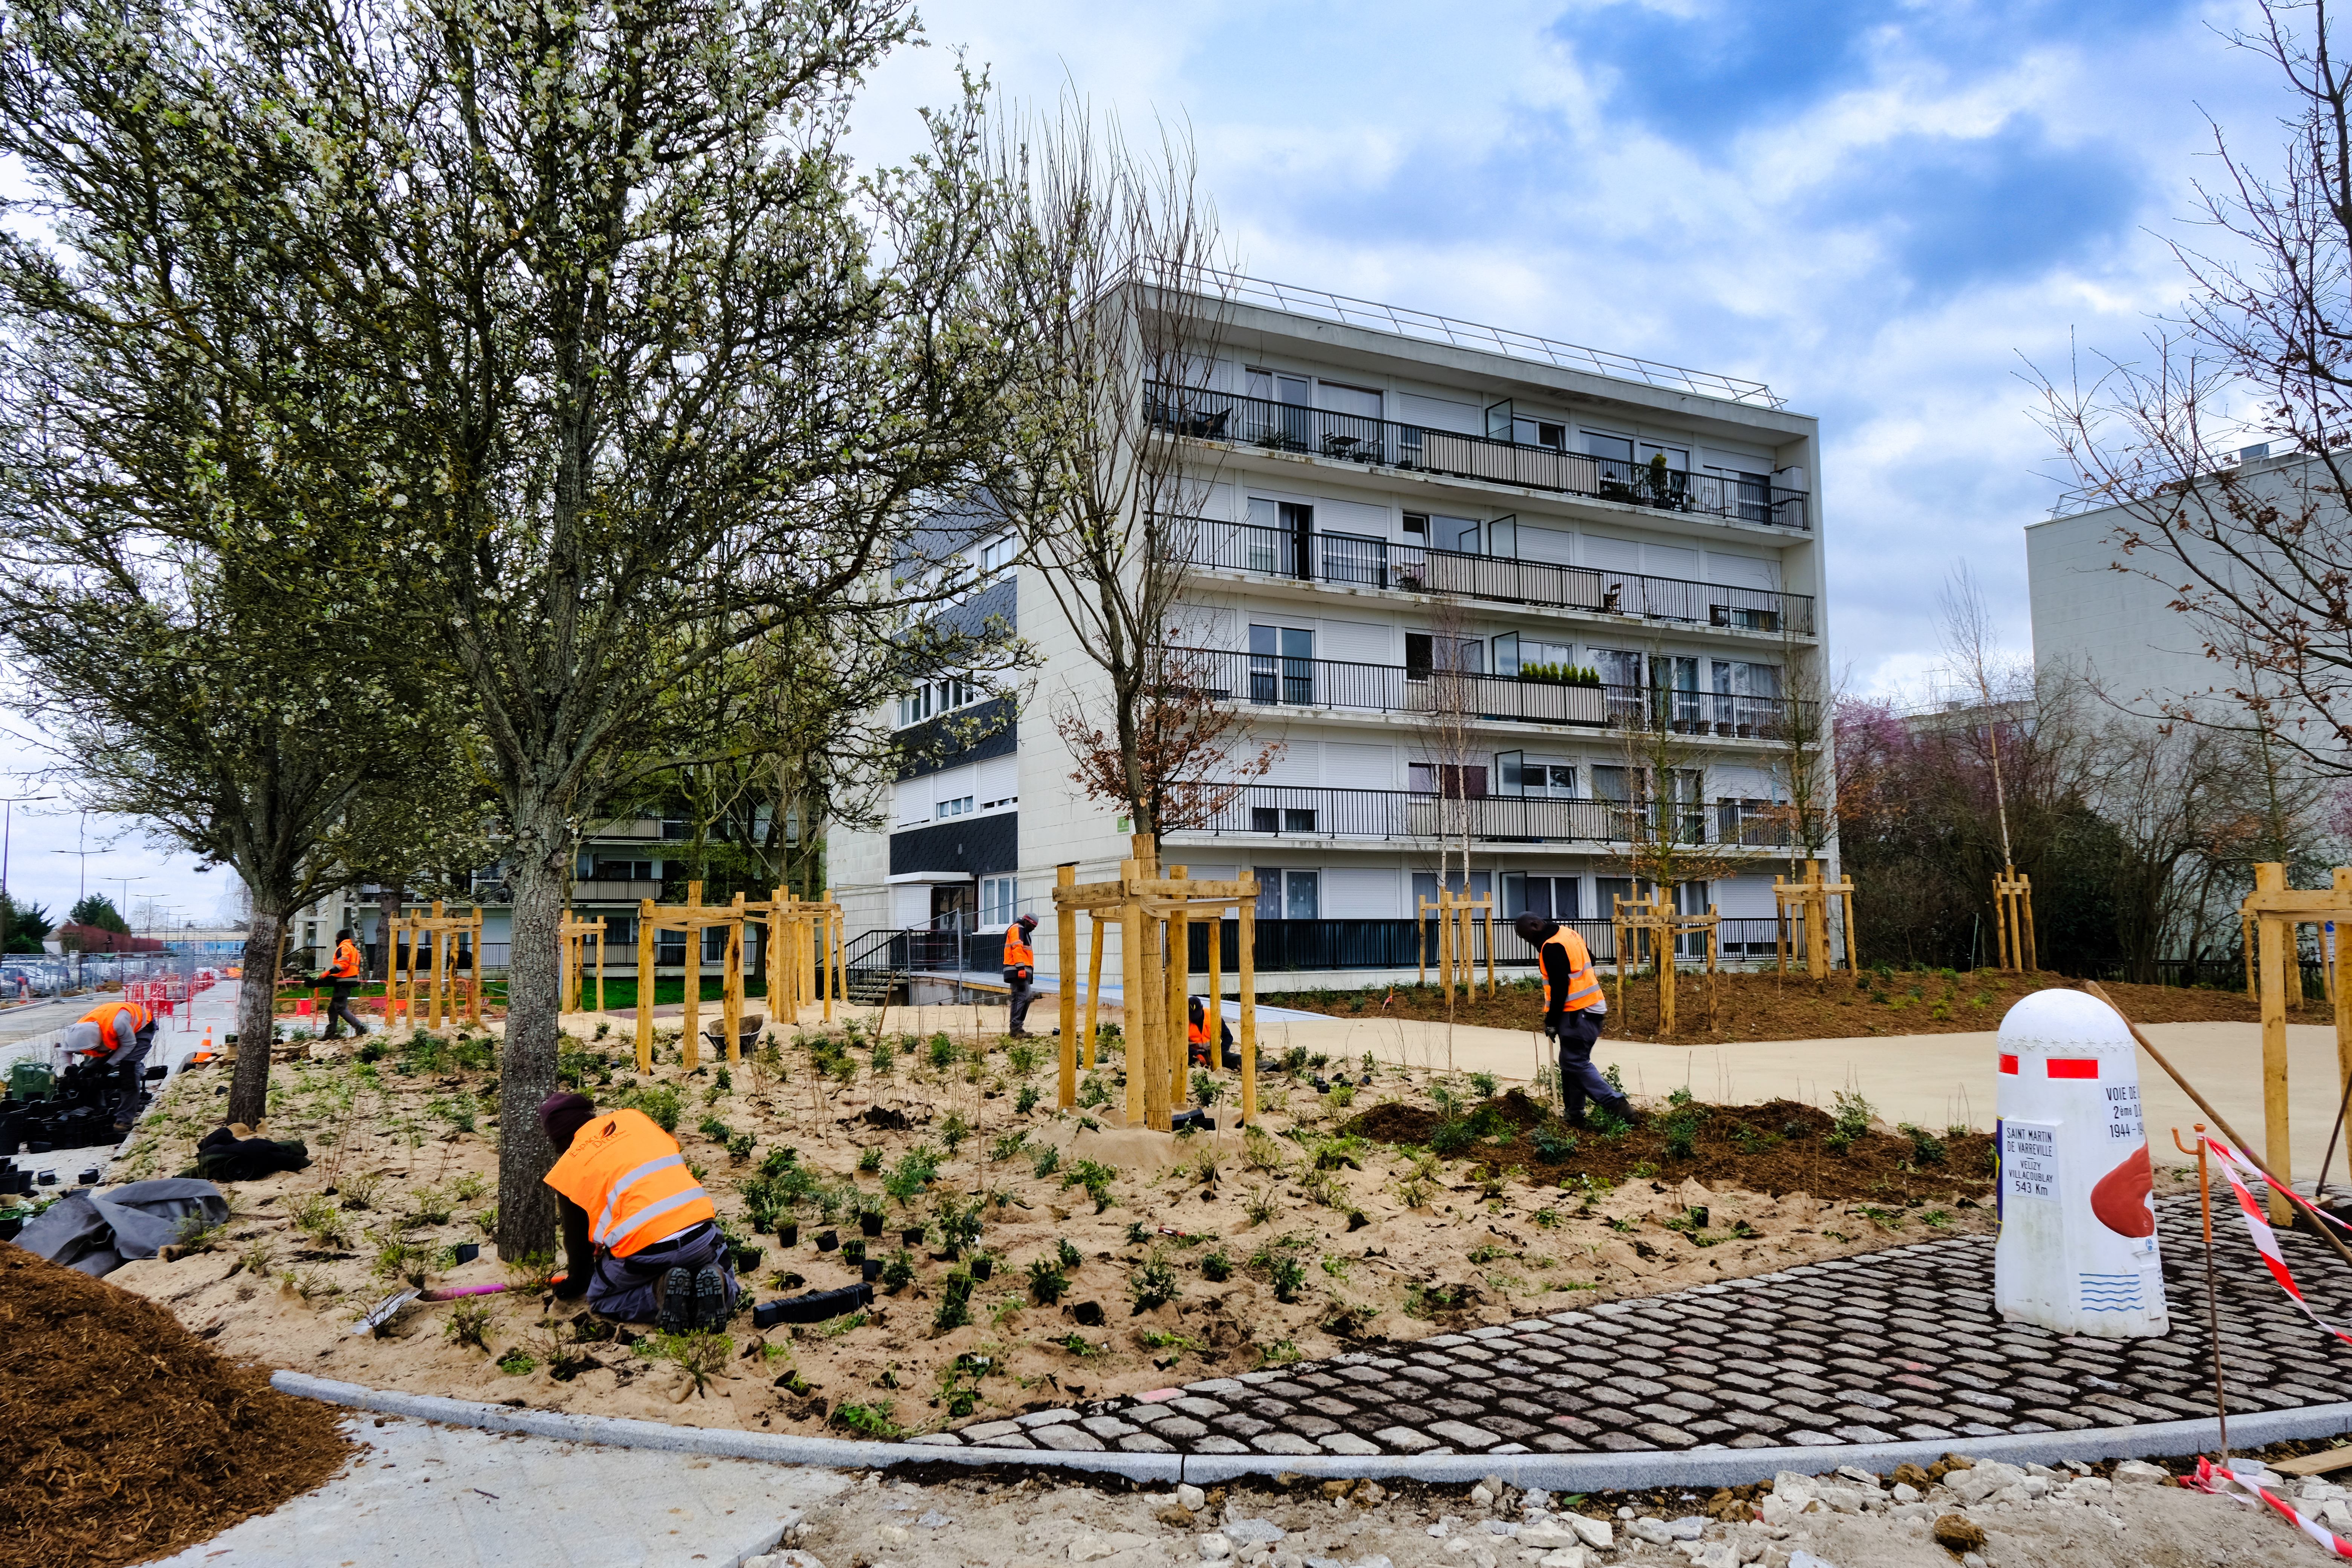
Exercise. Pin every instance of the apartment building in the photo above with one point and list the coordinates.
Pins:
(1587, 563)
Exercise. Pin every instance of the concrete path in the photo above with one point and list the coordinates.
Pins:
(1890, 1346)
(450, 1497)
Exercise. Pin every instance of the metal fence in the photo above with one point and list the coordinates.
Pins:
(1281, 680)
(1301, 811)
(1385, 443)
(1284, 944)
(1359, 561)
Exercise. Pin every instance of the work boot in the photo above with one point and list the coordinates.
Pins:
(709, 1299)
(673, 1301)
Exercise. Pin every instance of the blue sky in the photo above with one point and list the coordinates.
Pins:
(1885, 208)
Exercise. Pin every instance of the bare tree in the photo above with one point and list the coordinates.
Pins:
(1964, 623)
(2259, 562)
(1111, 271)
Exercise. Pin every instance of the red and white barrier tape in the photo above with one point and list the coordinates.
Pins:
(2212, 1478)
(2258, 1225)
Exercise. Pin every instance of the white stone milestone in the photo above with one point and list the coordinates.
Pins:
(2077, 1248)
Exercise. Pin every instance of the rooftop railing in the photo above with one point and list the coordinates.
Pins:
(1314, 555)
(1279, 680)
(1360, 438)
(1326, 306)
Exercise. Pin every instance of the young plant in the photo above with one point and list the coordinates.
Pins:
(1026, 1100)
(1066, 1252)
(1217, 1266)
(1047, 1283)
(1154, 1282)
(469, 1324)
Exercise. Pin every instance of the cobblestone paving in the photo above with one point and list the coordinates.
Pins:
(1900, 1344)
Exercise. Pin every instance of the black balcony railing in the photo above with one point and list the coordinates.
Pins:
(1357, 438)
(1279, 680)
(1291, 811)
(1365, 563)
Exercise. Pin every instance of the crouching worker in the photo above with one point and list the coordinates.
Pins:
(640, 1236)
(1197, 1031)
(1574, 1006)
(119, 1035)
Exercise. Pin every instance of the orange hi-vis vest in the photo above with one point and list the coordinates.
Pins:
(1017, 949)
(104, 1015)
(1584, 986)
(1198, 1033)
(630, 1178)
(346, 960)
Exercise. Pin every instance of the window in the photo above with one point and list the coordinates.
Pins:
(1617, 668)
(622, 871)
(960, 806)
(1269, 891)
(1425, 885)
(1299, 902)
(1553, 897)
(714, 944)
(1612, 784)
(1426, 653)
(1280, 538)
(1282, 665)
(1417, 522)
(1000, 900)
(621, 933)
(1516, 775)
(994, 804)
(1461, 781)
(673, 827)
(1610, 449)
(1276, 387)
(998, 553)
(669, 949)
(1751, 822)
(1282, 819)
(1606, 891)
(1361, 401)
(936, 697)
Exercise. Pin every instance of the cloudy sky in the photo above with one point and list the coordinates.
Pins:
(1887, 210)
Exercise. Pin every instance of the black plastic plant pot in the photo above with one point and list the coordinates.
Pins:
(951, 1252)
(827, 1240)
(871, 1269)
(853, 1250)
(869, 1224)
(912, 1236)
(982, 1268)
(745, 1258)
(789, 1234)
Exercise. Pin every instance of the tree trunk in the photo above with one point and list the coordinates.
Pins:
(527, 1061)
(257, 1005)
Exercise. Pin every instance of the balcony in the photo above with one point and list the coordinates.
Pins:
(1383, 443)
(1361, 562)
(1269, 679)
(1285, 811)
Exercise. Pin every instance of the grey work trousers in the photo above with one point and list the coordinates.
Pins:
(623, 1288)
(1577, 1033)
(1016, 1018)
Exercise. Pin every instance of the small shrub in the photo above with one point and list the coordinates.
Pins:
(1066, 1252)
(1022, 1057)
(516, 1362)
(1486, 1083)
(900, 1271)
(1046, 1161)
(1261, 1206)
(1554, 1142)
(1217, 1266)
(1926, 1149)
(659, 1103)
(1026, 1100)
(869, 1421)
(1283, 1271)
(359, 1193)
(954, 1131)
(466, 1188)
(1153, 1283)
(1263, 1153)
(1096, 1177)
(955, 1302)
(1851, 1120)
(1047, 1283)
(469, 1324)
(942, 1054)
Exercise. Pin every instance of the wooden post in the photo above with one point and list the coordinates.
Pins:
(691, 1042)
(1446, 941)
(1131, 971)
(1817, 923)
(2025, 921)
(1490, 947)
(1245, 966)
(1853, 963)
(776, 919)
(2343, 881)
(731, 1007)
(1421, 936)
(1066, 939)
(2269, 876)
(433, 987)
(1094, 982)
(474, 992)
(1665, 936)
(599, 965)
(645, 985)
(1179, 986)
(1714, 962)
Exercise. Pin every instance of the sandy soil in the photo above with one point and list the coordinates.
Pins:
(1385, 1243)
(2096, 1517)
(1792, 1006)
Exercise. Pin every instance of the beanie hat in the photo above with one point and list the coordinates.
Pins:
(563, 1113)
(1534, 928)
(1027, 923)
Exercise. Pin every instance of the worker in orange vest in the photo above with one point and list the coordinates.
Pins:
(640, 1236)
(1204, 1051)
(345, 975)
(1574, 1008)
(1021, 974)
(119, 1034)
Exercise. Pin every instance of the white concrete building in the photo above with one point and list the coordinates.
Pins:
(1387, 487)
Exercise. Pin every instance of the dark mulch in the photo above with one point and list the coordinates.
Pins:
(1790, 1006)
(127, 1436)
(1777, 1147)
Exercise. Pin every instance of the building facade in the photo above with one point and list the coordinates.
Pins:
(1605, 575)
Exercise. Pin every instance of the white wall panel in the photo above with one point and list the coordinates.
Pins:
(1334, 516)
(1742, 898)
(1362, 893)
(1350, 765)
(1441, 413)
(1742, 571)
(998, 777)
(1298, 763)
(1358, 642)
(1610, 553)
(1669, 560)
(1546, 544)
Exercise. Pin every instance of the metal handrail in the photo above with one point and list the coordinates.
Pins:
(1289, 811)
(1275, 680)
(1366, 562)
(1360, 438)
(1424, 325)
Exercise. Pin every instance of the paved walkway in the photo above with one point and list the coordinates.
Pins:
(450, 1497)
(1901, 1344)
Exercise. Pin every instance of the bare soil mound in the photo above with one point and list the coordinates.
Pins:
(126, 1435)
(1774, 1148)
